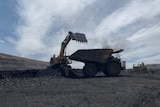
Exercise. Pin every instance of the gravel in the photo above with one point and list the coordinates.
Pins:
(131, 90)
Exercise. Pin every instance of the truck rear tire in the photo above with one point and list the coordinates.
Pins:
(112, 69)
(90, 70)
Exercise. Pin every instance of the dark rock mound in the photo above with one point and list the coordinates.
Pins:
(10, 62)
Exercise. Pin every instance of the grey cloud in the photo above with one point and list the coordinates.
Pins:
(110, 24)
(39, 18)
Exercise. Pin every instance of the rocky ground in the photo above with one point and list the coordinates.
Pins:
(50, 89)
(127, 90)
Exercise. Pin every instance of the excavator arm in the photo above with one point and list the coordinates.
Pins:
(61, 59)
(64, 44)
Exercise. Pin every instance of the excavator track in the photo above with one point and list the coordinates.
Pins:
(66, 71)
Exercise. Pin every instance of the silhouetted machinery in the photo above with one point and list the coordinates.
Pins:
(95, 60)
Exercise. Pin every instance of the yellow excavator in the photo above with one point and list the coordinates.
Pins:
(62, 59)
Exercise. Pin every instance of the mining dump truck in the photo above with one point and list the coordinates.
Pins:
(95, 60)
(98, 60)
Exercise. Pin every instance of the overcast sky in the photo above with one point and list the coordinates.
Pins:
(36, 28)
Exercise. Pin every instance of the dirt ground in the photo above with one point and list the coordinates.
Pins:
(127, 90)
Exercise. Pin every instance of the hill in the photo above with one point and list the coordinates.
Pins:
(10, 62)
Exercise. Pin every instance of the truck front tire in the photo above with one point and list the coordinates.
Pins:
(112, 69)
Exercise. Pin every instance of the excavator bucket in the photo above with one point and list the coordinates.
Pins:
(79, 37)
